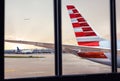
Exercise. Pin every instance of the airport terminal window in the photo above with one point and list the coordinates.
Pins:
(30, 23)
(66, 61)
(85, 24)
(118, 30)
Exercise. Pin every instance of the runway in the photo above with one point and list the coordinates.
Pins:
(44, 66)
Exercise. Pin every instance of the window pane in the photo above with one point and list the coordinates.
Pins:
(86, 34)
(29, 35)
(118, 32)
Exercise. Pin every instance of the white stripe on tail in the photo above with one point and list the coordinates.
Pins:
(84, 33)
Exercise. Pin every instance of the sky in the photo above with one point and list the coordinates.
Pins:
(33, 20)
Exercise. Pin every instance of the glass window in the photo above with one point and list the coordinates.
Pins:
(118, 32)
(29, 38)
(85, 36)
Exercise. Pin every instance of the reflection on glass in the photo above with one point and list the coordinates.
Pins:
(29, 24)
(85, 30)
(118, 32)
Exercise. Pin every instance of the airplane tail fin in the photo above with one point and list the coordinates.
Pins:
(18, 50)
(84, 33)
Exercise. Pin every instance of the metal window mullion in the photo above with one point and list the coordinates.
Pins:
(2, 39)
(113, 36)
(58, 44)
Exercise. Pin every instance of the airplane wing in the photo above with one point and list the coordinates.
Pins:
(65, 48)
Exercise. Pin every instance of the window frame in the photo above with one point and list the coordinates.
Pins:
(114, 75)
(113, 35)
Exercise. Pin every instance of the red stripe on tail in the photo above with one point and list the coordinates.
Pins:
(75, 11)
(76, 25)
(70, 7)
(92, 43)
(74, 15)
(87, 29)
(81, 19)
(83, 34)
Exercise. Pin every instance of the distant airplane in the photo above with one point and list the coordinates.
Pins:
(23, 51)
(18, 50)
(27, 19)
(90, 45)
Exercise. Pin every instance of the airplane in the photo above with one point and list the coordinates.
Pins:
(23, 51)
(90, 45)
(19, 51)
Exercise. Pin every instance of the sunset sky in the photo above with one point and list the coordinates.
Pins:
(32, 20)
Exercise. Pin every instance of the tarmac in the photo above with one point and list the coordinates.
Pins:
(45, 66)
